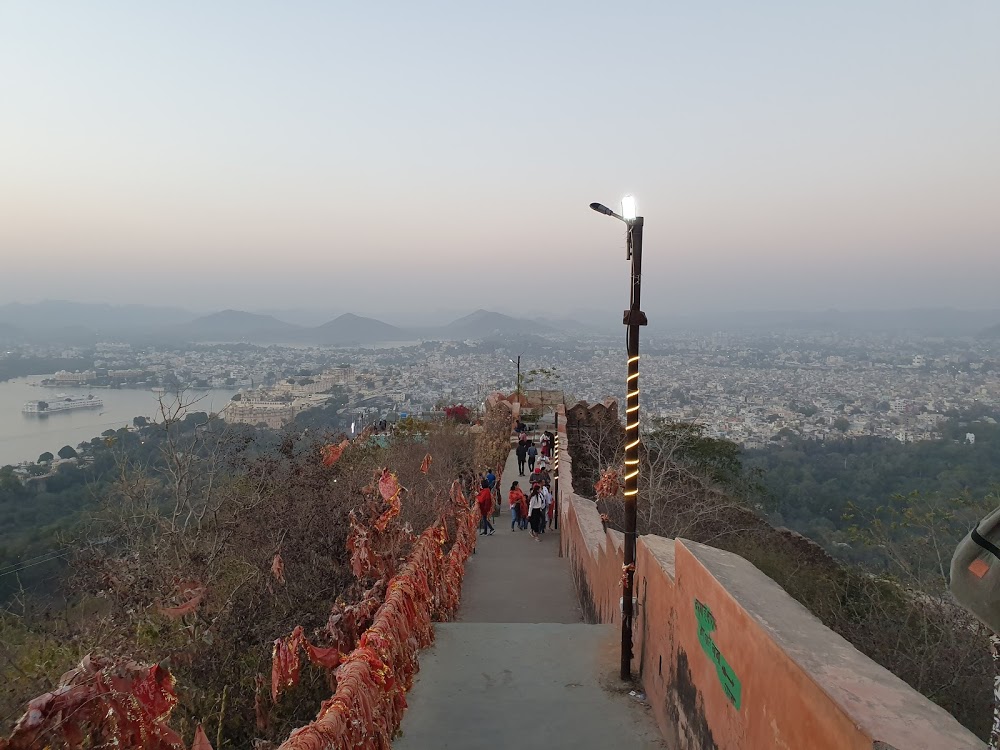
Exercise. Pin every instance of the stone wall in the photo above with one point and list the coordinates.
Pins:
(729, 660)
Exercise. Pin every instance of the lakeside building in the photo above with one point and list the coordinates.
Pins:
(255, 407)
(66, 378)
(263, 407)
(313, 384)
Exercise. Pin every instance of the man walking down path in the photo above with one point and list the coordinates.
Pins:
(522, 456)
(532, 453)
(485, 502)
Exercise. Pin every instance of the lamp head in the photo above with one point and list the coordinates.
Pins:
(628, 208)
(602, 209)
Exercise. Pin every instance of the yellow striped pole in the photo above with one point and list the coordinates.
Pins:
(633, 318)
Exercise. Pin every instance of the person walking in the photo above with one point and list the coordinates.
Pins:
(549, 505)
(536, 507)
(543, 474)
(518, 507)
(522, 456)
(491, 479)
(546, 497)
(485, 502)
(532, 454)
(552, 442)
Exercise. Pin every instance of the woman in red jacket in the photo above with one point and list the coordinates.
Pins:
(485, 502)
(518, 508)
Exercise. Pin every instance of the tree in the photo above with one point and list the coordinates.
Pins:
(545, 375)
(458, 413)
(842, 423)
(45, 457)
(67, 451)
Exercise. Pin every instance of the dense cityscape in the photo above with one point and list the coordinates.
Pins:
(748, 388)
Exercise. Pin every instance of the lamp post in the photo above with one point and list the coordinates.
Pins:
(555, 471)
(518, 363)
(633, 318)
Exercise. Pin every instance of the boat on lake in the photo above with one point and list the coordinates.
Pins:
(62, 402)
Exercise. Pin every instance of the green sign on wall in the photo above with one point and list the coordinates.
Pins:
(727, 677)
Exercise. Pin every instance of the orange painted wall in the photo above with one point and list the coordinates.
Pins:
(784, 705)
(781, 706)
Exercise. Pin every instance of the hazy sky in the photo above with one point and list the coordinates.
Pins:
(374, 156)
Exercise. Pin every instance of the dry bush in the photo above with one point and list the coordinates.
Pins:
(185, 578)
(492, 445)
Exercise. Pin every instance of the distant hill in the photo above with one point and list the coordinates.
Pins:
(99, 319)
(236, 325)
(354, 329)
(485, 324)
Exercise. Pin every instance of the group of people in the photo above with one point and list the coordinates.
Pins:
(533, 511)
(528, 453)
(536, 509)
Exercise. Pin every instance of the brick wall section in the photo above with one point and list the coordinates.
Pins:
(729, 660)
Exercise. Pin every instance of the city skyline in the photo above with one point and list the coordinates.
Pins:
(249, 156)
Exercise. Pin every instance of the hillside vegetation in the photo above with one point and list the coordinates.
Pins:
(213, 544)
(823, 490)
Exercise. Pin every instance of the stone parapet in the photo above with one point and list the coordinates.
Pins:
(729, 660)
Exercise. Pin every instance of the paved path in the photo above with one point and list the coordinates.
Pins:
(519, 668)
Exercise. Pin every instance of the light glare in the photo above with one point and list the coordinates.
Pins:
(628, 208)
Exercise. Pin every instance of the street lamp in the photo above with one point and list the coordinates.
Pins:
(518, 363)
(633, 318)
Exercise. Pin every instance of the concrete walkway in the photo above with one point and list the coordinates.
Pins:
(519, 668)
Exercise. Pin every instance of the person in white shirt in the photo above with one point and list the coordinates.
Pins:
(547, 515)
(536, 511)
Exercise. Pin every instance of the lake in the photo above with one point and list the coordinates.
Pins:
(25, 438)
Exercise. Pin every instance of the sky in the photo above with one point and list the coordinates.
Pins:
(386, 157)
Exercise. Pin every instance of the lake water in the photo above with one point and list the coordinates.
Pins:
(25, 438)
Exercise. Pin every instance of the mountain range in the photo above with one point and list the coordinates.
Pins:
(349, 329)
(78, 323)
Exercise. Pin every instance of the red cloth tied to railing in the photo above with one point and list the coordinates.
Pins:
(102, 703)
(372, 680)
